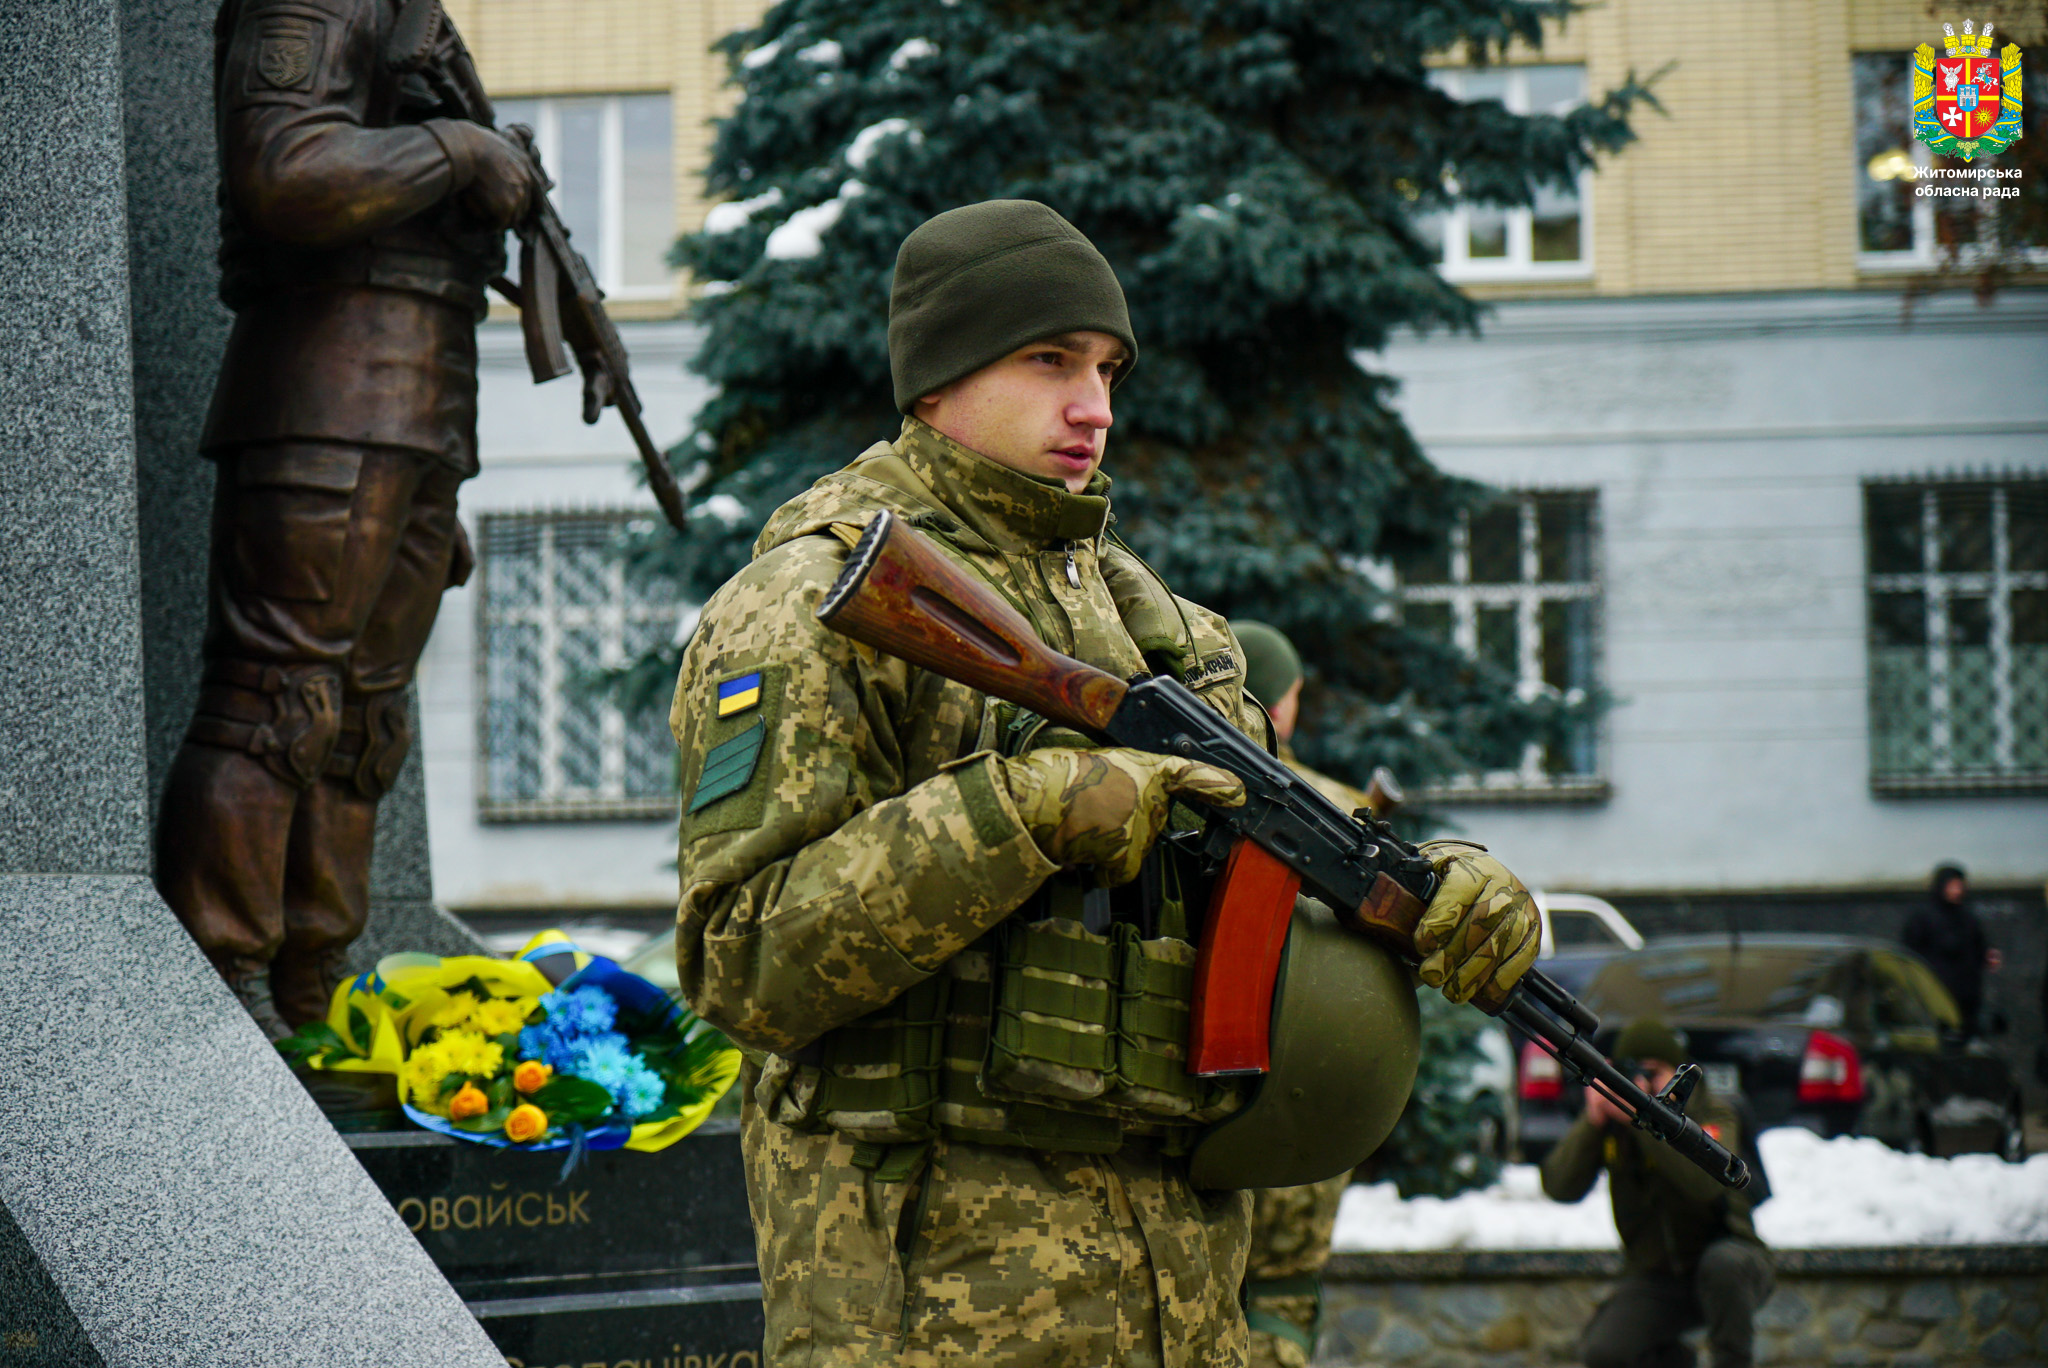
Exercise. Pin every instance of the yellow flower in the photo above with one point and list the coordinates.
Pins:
(501, 1016)
(527, 1122)
(463, 1052)
(530, 1076)
(469, 1100)
(455, 1011)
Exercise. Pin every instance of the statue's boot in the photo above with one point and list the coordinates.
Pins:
(220, 859)
(250, 983)
(326, 897)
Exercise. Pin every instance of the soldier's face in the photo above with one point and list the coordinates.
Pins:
(1042, 410)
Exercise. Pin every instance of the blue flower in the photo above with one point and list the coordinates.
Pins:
(608, 1062)
(573, 1017)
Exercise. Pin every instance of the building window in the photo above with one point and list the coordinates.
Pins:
(559, 606)
(1897, 229)
(611, 158)
(1518, 586)
(1958, 581)
(1489, 242)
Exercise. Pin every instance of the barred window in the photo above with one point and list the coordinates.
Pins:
(559, 606)
(1958, 581)
(1518, 586)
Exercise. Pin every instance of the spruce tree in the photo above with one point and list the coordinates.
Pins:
(1254, 170)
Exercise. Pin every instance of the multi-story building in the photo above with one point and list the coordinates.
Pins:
(1790, 515)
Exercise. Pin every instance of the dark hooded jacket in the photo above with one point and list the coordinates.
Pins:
(1951, 939)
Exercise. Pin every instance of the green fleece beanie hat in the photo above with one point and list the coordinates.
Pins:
(975, 283)
(1271, 664)
(1649, 1038)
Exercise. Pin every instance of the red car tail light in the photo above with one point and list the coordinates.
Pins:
(1542, 1077)
(1831, 1070)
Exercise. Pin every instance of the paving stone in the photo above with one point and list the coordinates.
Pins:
(1930, 1303)
(1843, 1323)
(1506, 1334)
(1987, 1308)
(1805, 1349)
(1401, 1344)
(1887, 1334)
(1786, 1310)
(2025, 1314)
(2001, 1346)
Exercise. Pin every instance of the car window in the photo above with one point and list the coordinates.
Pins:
(1774, 983)
(1940, 1006)
(1572, 930)
(1894, 1001)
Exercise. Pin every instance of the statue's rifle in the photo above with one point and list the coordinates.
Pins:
(898, 593)
(558, 297)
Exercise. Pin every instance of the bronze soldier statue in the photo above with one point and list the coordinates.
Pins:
(362, 216)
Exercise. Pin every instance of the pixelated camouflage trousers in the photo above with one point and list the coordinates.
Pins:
(994, 1256)
(1291, 1229)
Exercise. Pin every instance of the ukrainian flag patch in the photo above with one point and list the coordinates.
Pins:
(738, 695)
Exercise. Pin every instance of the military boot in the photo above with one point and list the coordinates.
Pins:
(303, 983)
(250, 983)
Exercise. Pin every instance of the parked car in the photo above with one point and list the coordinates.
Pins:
(1580, 934)
(1842, 1035)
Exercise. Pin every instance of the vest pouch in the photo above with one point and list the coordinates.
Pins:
(1155, 988)
(879, 1076)
(1052, 1034)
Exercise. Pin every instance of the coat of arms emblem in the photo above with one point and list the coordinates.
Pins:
(285, 60)
(1966, 104)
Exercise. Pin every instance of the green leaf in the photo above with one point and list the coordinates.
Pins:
(452, 1083)
(316, 1039)
(492, 1120)
(501, 1092)
(566, 1098)
(398, 1001)
(359, 1025)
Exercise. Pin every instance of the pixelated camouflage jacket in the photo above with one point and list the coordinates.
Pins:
(1666, 1209)
(846, 830)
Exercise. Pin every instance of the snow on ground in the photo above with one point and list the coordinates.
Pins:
(1826, 1194)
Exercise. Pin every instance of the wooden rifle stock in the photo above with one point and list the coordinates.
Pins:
(900, 594)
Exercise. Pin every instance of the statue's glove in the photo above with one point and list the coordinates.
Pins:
(1480, 932)
(1106, 807)
(494, 176)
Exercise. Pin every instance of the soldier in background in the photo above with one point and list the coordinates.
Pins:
(1291, 1227)
(1690, 1251)
(361, 219)
(1947, 934)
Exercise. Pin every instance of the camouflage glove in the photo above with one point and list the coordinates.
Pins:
(1480, 932)
(1106, 807)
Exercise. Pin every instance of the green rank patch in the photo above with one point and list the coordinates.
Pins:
(728, 766)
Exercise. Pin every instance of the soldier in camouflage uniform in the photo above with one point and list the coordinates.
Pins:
(1690, 1251)
(1291, 1227)
(921, 912)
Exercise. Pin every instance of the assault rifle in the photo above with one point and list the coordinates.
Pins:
(557, 296)
(900, 594)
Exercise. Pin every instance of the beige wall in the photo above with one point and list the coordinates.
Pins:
(1745, 182)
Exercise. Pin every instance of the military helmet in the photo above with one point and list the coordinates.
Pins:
(1346, 1041)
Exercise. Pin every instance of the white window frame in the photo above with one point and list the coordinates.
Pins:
(1936, 588)
(557, 801)
(1527, 596)
(606, 261)
(1517, 265)
(1925, 253)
